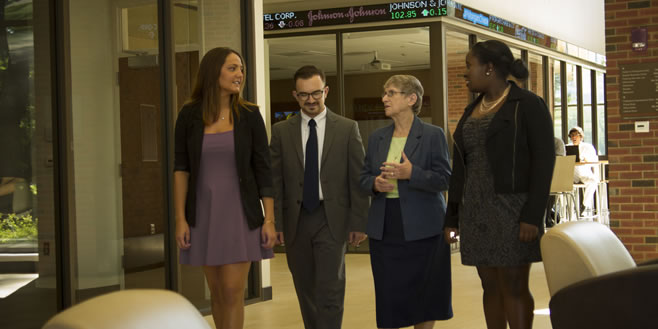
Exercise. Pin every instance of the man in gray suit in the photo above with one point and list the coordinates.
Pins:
(317, 156)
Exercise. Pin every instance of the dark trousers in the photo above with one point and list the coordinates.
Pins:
(317, 263)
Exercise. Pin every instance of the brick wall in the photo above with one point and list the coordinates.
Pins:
(458, 95)
(633, 160)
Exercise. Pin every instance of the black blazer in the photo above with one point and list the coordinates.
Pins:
(520, 151)
(252, 157)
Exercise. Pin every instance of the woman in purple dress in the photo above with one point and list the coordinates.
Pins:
(221, 175)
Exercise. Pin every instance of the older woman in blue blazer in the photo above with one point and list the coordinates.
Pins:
(406, 169)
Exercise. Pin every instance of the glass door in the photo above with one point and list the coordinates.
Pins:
(370, 58)
(141, 159)
(28, 250)
(118, 220)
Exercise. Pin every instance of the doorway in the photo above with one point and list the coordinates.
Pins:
(144, 217)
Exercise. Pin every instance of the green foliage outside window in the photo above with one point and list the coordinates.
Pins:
(17, 227)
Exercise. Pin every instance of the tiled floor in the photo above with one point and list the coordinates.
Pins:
(282, 312)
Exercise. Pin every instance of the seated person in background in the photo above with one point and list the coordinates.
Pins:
(586, 174)
(559, 147)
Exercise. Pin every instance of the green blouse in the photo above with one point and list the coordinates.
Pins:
(394, 155)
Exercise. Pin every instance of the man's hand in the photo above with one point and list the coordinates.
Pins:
(355, 238)
(279, 238)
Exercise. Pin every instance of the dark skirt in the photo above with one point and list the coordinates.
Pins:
(412, 278)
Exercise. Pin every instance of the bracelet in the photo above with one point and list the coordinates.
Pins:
(269, 221)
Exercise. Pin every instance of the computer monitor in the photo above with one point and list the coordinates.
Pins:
(573, 150)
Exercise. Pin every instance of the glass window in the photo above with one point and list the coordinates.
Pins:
(517, 55)
(557, 99)
(536, 79)
(572, 96)
(196, 31)
(458, 94)
(586, 94)
(600, 114)
(516, 52)
(188, 53)
(369, 61)
(286, 55)
(118, 160)
(28, 253)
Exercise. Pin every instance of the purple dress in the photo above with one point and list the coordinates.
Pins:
(221, 234)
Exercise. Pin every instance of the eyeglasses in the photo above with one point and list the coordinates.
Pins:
(391, 93)
(316, 94)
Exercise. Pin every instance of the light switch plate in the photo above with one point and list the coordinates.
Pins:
(641, 126)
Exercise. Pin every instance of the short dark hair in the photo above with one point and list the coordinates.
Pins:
(307, 72)
(499, 54)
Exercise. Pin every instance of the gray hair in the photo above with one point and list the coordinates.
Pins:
(408, 84)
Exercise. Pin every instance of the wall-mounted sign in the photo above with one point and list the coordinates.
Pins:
(419, 9)
(639, 39)
(498, 24)
(353, 15)
(639, 90)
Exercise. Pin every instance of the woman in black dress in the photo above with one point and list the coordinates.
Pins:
(502, 168)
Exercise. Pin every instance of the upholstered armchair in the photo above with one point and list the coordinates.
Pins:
(131, 309)
(594, 282)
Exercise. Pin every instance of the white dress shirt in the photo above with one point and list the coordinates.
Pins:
(587, 153)
(320, 125)
(587, 174)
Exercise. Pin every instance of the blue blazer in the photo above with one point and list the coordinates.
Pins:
(421, 200)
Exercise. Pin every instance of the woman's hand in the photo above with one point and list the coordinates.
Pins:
(183, 234)
(392, 170)
(451, 234)
(268, 234)
(382, 184)
(527, 232)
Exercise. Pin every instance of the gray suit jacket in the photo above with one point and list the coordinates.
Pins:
(346, 208)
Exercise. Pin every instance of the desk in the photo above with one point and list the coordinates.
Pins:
(602, 212)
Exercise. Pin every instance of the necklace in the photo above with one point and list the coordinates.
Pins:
(485, 106)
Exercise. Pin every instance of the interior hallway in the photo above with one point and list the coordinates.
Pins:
(283, 311)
